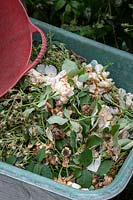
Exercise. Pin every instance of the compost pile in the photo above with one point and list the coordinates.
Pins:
(66, 120)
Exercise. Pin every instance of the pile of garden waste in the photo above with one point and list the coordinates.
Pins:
(67, 120)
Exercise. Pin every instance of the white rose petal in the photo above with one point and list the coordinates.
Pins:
(76, 186)
(94, 63)
(105, 117)
(41, 68)
(61, 74)
(93, 76)
(98, 68)
(129, 99)
(50, 70)
(49, 134)
(76, 126)
(79, 137)
(114, 110)
(122, 92)
(105, 84)
(94, 165)
(60, 84)
(35, 76)
(84, 189)
(92, 88)
(105, 74)
(78, 83)
(49, 80)
(89, 67)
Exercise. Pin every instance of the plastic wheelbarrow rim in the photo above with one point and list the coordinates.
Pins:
(108, 192)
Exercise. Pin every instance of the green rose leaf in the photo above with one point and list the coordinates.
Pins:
(104, 167)
(84, 99)
(82, 94)
(115, 132)
(124, 141)
(75, 126)
(42, 103)
(60, 144)
(128, 146)
(37, 168)
(83, 77)
(30, 167)
(94, 141)
(77, 173)
(57, 120)
(11, 160)
(85, 180)
(73, 141)
(124, 122)
(70, 67)
(67, 113)
(40, 155)
(86, 157)
(46, 171)
(1, 108)
(27, 112)
(115, 129)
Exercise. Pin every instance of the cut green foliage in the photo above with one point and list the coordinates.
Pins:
(115, 132)
(70, 67)
(86, 157)
(46, 171)
(84, 99)
(37, 168)
(57, 120)
(1, 108)
(67, 113)
(40, 155)
(83, 77)
(123, 142)
(128, 146)
(94, 141)
(42, 103)
(85, 179)
(11, 160)
(73, 141)
(104, 167)
(27, 112)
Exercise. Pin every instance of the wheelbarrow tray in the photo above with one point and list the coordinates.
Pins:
(20, 184)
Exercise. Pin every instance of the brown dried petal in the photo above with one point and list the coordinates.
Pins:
(65, 162)
(56, 110)
(66, 152)
(60, 180)
(49, 107)
(59, 103)
(86, 110)
(108, 180)
(58, 134)
(53, 159)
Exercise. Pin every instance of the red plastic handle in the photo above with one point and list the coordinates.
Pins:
(35, 29)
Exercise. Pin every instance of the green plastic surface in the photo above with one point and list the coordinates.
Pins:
(122, 72)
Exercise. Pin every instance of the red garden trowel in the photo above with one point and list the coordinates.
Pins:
(16, 32)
